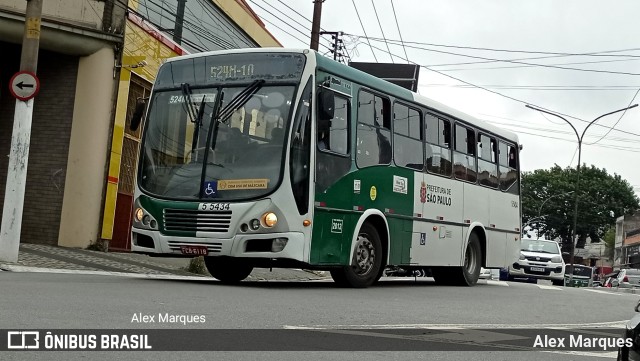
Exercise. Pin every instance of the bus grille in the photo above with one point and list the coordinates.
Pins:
(191, 220)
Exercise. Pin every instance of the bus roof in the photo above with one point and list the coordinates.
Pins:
(372, 82)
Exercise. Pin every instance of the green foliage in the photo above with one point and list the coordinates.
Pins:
(610, 243)
(197, 266)
(549, 195)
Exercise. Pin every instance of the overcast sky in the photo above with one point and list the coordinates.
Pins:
(428, 27)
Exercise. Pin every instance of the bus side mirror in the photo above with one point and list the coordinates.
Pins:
(326, 105)
(136, 118)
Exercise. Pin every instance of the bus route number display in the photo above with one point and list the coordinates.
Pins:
(232, 71)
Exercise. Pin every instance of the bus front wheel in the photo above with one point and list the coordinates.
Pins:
(366, 264)
(227, 269)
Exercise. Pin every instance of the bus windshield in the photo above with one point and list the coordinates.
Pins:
(243, 150)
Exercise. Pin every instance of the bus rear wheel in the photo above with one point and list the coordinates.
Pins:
(366, 265)
(228, 270)
(468, 274)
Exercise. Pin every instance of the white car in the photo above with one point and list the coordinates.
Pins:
(539, 259)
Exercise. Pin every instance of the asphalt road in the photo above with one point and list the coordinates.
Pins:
(77, 301)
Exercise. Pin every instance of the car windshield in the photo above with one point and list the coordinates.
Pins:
(243, 148)
(529, 245)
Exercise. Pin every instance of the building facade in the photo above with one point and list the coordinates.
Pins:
(72, 114)
(96, 59)
(627, 245)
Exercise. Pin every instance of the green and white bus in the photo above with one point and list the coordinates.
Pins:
(285, 158)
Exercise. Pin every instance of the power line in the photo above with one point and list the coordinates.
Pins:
(619, 119)
(364, 31)
(516, 62)
(536, 87)
(279, 19)
(531, 66)
(399, 32)
(380, 24)
(556, 54)
(289, 17)
(294, 10)
(284, 22)
(506, 96)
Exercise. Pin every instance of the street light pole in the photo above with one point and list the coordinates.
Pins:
(577, 190)
(539, 216)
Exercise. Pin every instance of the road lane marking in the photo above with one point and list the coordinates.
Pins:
(592, 325)
(497, 283)
(545, 287)
(604, 292)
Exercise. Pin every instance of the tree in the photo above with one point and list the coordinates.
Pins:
(610, 243)
(548, 198)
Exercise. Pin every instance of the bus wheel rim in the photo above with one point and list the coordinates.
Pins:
(364, 256)
(470, 260)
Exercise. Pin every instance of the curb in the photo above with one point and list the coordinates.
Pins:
(28, 269)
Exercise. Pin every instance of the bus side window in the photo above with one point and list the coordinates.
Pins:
(464, 159)
(373, 144)
(407, 137)
(508, 166)
(487, 162)
(437, 147)
(333, 134)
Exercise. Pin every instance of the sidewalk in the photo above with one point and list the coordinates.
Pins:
(40, 258)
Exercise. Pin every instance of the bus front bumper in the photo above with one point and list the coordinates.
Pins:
(288, 245)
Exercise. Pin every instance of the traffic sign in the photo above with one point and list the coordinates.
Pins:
(24, 85)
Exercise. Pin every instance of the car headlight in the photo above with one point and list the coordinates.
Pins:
(556, 259)
(521, 257)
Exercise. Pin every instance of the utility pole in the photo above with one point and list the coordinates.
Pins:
(20, 139)
(315, 27)
(177, 30)
(337, 43)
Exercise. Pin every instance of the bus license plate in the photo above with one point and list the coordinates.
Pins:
(194, 250)
(214, 206)
(537, 269)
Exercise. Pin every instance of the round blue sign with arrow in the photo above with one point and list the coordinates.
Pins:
(24, 85)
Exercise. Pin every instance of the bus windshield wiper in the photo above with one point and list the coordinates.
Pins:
(239, 100)
(198, 124)
(236, 103)
(187, 103)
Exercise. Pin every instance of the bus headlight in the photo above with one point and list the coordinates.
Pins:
(254, 224)
(269, 219)
(139, 214)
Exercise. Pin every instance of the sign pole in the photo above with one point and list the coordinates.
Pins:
(20, 139)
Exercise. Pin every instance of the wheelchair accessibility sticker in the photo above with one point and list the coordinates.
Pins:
(210, 189)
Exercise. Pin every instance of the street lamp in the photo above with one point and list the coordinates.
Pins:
(580, 137)
(539, 216)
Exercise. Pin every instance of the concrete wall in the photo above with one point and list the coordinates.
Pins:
(90, 135)
(87, 13)
(52, 117)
